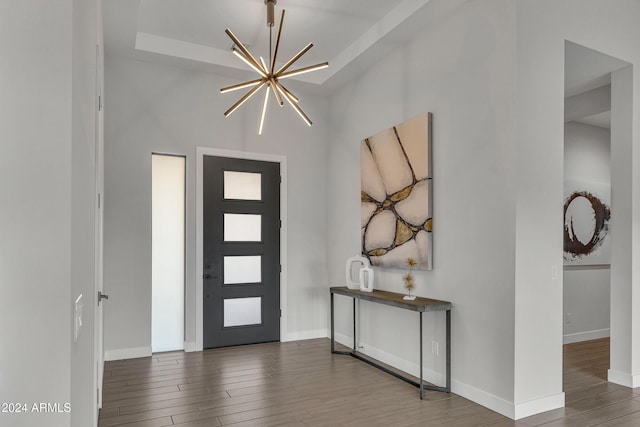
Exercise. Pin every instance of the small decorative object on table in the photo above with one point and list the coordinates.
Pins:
(359, 262)
(409, 283)
(366, 279)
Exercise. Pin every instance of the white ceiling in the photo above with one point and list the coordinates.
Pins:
(192, 33)
(349, 34)
(601, 120)
(586, 69)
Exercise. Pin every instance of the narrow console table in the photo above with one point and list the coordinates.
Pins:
(394, 299)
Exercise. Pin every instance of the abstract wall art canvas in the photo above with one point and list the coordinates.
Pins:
(587, 216)
(396, 195)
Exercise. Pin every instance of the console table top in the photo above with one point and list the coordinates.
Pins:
(393, 299)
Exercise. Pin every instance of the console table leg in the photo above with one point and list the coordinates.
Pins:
(333, 336)
(448, 327)
(421, 384)
(354, 325)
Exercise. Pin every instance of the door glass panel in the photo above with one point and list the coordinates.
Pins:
(242, 311)
(242, 185)
(242, 269)
(242, 228)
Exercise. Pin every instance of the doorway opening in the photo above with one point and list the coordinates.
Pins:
(595, 168)
(168, 252)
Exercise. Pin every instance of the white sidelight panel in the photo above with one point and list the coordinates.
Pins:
(167, 252)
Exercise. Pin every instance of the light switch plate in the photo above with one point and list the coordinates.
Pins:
(77, 317)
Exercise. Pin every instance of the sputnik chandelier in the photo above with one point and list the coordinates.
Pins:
(270, 78)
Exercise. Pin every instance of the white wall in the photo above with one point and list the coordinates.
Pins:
(461, 68)
(83, 204)
(625, 290)
(35, 248)
(46, 85)
(163, 109)
(498, 186)
(543, 27)
(586, 289)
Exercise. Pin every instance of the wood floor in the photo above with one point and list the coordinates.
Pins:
(302, 384)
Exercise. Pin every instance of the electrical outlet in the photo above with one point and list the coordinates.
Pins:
(435, 347)
(554, 272)
(568, 318)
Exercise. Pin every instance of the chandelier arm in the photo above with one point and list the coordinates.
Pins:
(242, 100)
(241, 85)
(244, 50)
(258, 68)
(275, 53)
(264, 109)
(299, 110)
(264, 64)
(303, 70)
(274, 87)
(294, 59)
(287, 93)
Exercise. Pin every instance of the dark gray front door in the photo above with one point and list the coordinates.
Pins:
(241, 226)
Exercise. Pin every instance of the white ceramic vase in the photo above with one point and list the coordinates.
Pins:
(354, 282)
(366, 279)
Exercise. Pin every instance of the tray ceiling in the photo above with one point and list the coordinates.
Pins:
(191, 33)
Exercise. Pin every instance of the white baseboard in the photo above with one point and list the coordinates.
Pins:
(586, 336)
(623, 378)
(504, 407)
(127, 353)
(481, 397)
(411, 368)
(304, 335)
(536, 406)
(190, 346)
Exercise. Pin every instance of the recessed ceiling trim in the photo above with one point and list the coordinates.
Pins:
(195, 52)
(161, 45)
(388, 23)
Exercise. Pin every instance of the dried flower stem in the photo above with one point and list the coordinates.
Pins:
(409, 283)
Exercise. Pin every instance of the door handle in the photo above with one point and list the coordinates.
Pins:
(102, 296)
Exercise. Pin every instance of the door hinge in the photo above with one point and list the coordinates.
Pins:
(280, 268)
(101, 296)
(99, 102)
(98, 200)
(280, 312)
